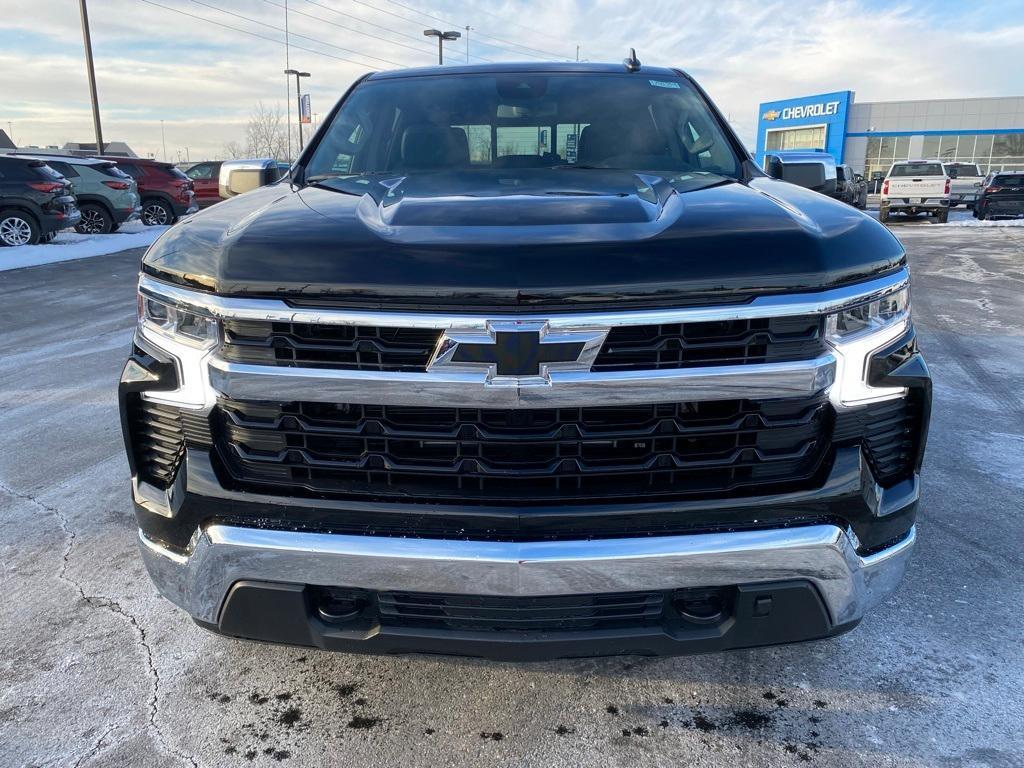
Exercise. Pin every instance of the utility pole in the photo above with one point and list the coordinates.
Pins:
(163, 141)
(468, 28)
(441, 37)
(84, 12)
(288, 86)
(298, 92)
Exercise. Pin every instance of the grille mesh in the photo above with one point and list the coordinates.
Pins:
(526, 456)
(628, 348)
(687, 345)
(360, 348)
(496, 614)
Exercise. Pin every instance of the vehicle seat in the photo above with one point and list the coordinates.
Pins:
(599, 142)
(434, 147)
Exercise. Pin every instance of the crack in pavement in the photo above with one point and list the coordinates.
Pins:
(109, 604)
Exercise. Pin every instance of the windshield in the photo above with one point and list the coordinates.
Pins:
(429, 124)
(917, 169)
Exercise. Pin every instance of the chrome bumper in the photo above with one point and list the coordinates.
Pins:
(824, 555)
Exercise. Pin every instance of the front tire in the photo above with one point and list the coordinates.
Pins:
(980, 214)
(95, 221)
(17, 228)
(157, 213)
(883, 214)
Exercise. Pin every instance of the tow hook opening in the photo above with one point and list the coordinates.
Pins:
(703, 606)
(339, 606)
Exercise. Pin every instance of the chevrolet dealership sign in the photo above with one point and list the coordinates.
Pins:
(783, 120)
(822, 109)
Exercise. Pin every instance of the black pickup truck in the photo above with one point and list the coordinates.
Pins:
(526, 361)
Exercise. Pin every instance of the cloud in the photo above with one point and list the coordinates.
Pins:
(202, 79)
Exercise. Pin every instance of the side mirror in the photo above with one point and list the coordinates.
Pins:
(773, 166)
(240, 176)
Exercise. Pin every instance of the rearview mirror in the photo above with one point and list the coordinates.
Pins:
(240, 176)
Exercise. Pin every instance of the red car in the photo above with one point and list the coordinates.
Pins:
(166, 192)
(205, 178)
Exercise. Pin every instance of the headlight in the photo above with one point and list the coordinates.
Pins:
(868, 317)
(176, 323)
(855, 334)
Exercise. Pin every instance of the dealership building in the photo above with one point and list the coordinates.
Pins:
(871, 136)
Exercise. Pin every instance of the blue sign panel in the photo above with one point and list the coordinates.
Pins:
(825, 114)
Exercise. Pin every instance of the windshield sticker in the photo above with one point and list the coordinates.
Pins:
(663, 84)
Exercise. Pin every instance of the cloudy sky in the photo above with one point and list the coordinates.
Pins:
(201, 65)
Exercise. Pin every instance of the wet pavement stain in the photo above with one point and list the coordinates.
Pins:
(359, 722)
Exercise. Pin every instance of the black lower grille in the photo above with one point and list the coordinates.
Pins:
(521, 614)
(890, 433)
(568, 455)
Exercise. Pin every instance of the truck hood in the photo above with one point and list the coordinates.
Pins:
(524, 239)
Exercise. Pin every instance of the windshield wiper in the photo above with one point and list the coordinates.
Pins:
(580, 166)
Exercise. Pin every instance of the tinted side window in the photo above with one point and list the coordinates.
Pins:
(66, 169)
(201, 171)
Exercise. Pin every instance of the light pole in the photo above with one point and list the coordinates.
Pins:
(298, 92)
(163, 141)
(84, 12)
(441, 37)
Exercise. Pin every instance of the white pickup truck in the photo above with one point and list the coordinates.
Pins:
(915, 186)
(967, 180)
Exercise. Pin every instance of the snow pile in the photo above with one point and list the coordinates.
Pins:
(69, 245)
(986, 223)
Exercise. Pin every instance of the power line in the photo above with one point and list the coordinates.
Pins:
(295, 34)
(423, 51)
(479, 34)
(361, 20)
(531, 30)
(253, 34)
(453, 24)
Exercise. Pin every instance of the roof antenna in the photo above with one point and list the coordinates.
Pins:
(632, 63)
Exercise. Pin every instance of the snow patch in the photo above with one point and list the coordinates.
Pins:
(69, 245)
(986, 223)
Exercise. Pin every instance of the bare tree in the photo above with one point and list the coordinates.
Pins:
(267, 134)
(232, 150)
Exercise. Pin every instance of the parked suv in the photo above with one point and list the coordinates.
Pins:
(166, 192)
(526, 361)
(1001, 195)
(107, 196)
(35, 201)
(204, 178)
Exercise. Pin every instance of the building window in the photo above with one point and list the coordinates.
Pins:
(811, 137)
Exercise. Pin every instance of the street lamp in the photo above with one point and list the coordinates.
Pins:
(441, 37)
(298, 91)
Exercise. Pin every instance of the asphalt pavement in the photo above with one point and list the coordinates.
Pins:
(97, 669)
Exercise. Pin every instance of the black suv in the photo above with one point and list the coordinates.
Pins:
(524, 361)
(35, 202)
(1002, 194)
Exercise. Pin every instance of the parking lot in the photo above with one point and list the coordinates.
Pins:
(100, 671)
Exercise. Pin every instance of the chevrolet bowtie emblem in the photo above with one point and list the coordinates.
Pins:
(520, 351)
